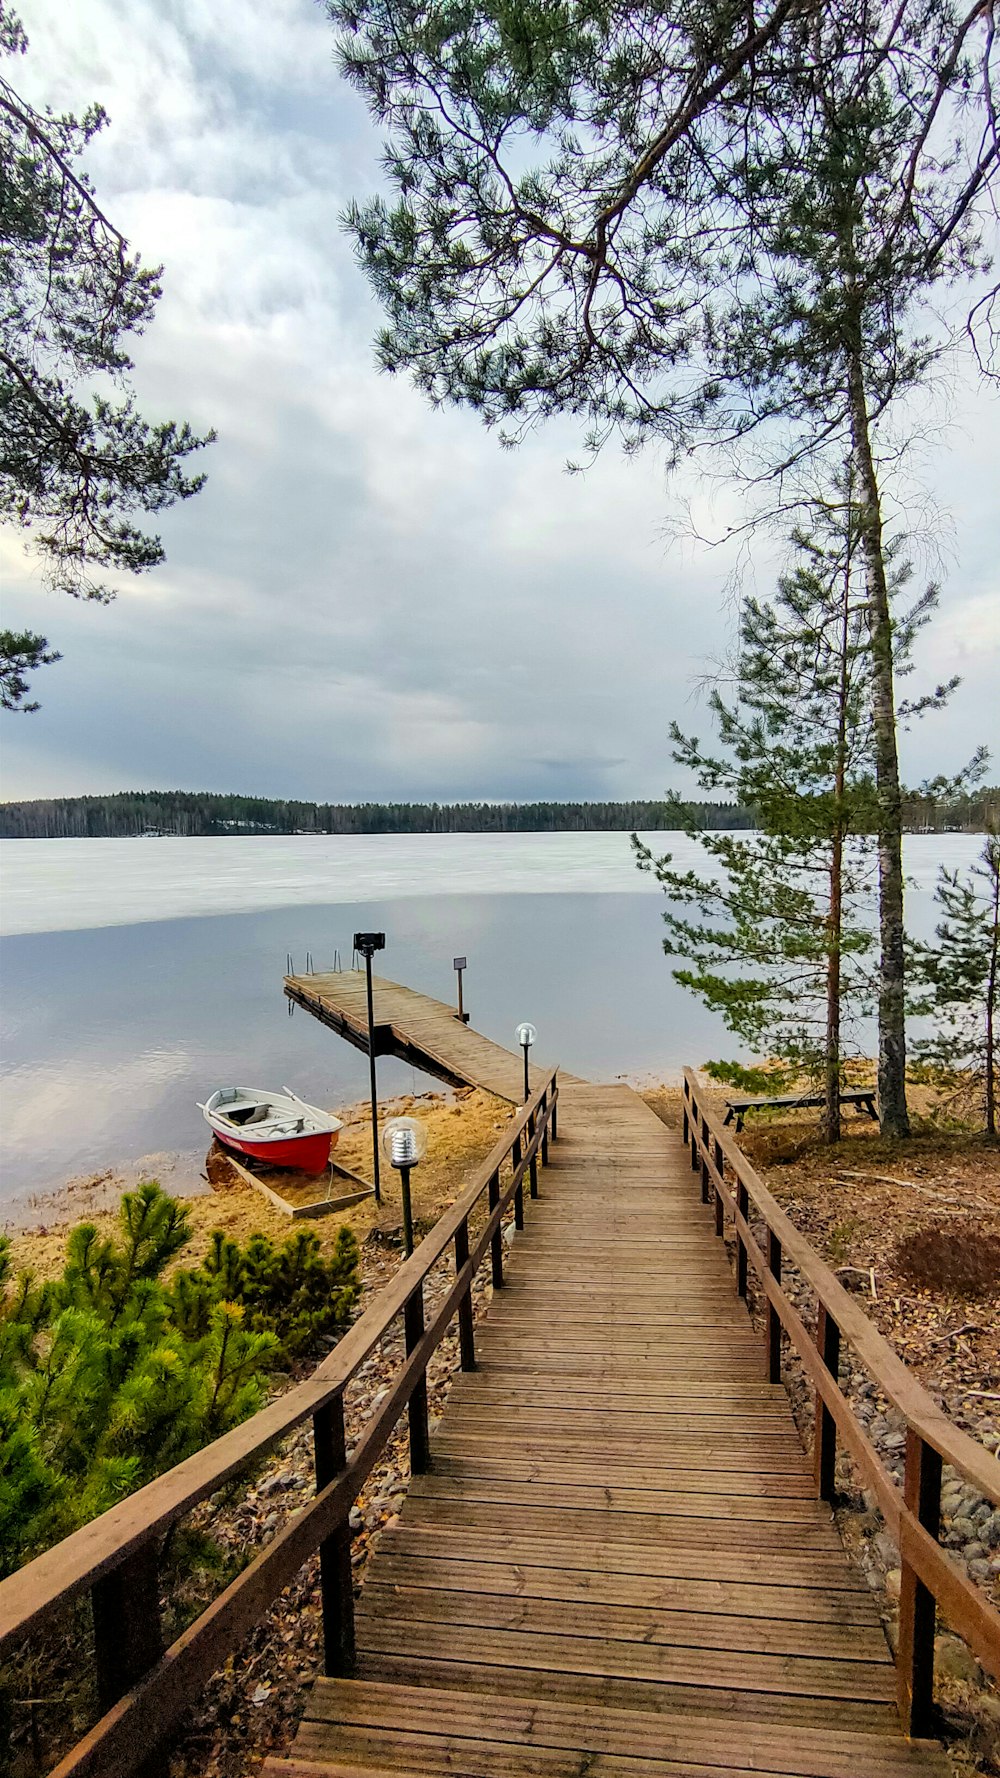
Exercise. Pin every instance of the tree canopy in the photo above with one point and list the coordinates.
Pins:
(700, 225)
(79, 464)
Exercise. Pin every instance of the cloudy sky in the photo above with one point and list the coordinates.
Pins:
(371, 599)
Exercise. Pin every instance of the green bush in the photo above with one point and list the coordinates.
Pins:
(108, 1376)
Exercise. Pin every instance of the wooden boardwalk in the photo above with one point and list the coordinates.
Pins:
(616, 1566)
(414, 1027)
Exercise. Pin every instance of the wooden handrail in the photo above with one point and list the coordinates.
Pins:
(912, 1514)
(144, 1689)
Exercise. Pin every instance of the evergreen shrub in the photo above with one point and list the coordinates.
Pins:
(109, 1375)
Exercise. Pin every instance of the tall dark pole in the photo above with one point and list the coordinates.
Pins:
(527, 1089)
(404, 1182)
(371, 1071)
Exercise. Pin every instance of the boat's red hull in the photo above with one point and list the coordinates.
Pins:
(308, 1153)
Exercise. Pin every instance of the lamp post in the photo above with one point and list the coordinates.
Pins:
(526, 1035)
(458, 964)
(368, 943)
(405, 1144)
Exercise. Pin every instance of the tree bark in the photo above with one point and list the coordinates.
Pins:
(893, 1116)
(835, 921)
(992, 985)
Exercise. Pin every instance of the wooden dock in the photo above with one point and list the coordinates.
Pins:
(415, 1028)
(616, 1563)
(614, 1559)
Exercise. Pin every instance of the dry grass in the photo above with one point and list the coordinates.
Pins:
(462, 1128)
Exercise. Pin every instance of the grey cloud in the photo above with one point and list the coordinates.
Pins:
(369, 598)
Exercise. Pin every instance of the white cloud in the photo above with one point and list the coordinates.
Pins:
(369, 598)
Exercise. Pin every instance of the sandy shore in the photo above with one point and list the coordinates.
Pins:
(462, 1127)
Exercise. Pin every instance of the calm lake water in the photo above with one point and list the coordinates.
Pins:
(139, 974)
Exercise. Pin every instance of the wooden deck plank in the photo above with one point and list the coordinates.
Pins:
(657, 1697)
(793, 1750)
(408, 1602)
(617, 1562)
(743, 1598)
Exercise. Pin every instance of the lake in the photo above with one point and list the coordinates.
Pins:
(139, 974)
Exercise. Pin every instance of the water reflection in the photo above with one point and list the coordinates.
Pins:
(110, 1034)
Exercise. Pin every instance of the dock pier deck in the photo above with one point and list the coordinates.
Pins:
(616, 1563)
(414, 1028)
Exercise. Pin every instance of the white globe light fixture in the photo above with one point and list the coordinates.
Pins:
(404, 1144)
(526, 1034)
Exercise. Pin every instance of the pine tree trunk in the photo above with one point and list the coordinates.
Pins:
(893, 1117)
(831, 1113)
(835, 918)
(992, 986)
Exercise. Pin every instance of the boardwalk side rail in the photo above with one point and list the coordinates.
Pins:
(912, 1514)
(144, 1689)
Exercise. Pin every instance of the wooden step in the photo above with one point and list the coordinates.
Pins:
(356, 1726)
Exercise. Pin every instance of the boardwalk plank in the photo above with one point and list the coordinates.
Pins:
(617, 1563)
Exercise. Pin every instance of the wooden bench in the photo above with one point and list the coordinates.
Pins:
(738, 1108)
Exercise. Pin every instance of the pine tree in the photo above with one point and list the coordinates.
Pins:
(693, 225)
(77, 459)
(957, 981)
(782, 942)
(108, 1376)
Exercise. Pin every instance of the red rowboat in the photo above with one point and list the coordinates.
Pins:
(279, 1128)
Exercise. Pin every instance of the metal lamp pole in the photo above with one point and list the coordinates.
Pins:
(526, 1035)
(368, 943)
(405, 1142)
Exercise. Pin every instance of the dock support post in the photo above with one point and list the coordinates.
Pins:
(466, 1329)
(743, 1206)
(336, 1581)
(519, 1188)
(127, 1634)
(772, 1317)
(533, 1164)
(420, 1441)
(496, 1245)
(917, 1610)
(720, 1207)
(825, 1436)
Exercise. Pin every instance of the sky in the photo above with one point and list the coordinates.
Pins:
(371, 598)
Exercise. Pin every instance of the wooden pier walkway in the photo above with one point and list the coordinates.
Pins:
(415, 1028)
(614, 1559)
(616, 1564)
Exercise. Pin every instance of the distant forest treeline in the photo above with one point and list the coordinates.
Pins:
(182, 812)
(131, 813)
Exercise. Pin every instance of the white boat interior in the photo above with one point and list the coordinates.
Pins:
(269, 1114)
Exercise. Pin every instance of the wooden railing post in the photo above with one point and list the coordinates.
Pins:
(773, 1319)
(545, 1130)
(336, 1583)
(554, 1119)
(692, 1124)
(519, 1190)
(915, 1655)
(743, 1206)
(420, 1442)
(496, 1244)
(532, 1165)
(466, 1330)
(720, 1167)
(825, 1436)
(128, 1638)
(685, 1100)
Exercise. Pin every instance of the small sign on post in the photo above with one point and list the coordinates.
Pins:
(459, 963)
